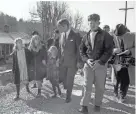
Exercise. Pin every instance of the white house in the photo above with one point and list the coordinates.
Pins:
(7, 41)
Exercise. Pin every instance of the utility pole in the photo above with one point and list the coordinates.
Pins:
(125, 9)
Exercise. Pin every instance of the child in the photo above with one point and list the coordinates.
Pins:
(53, 69)
(20, 64)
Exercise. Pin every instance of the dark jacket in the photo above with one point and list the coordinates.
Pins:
(37, 70)
(70, 51)
(15, 67)
(103, 46)
(53, 42)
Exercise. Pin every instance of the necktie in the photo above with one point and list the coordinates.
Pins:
(64, 43)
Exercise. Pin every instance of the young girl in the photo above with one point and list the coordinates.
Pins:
(53, 69)
(21, 60)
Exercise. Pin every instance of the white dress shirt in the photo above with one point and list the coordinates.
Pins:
(92, 38)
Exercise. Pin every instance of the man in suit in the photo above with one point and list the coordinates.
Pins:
(95, 49)
(106, 28)
(70, 57)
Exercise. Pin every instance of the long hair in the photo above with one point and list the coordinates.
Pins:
(15, 45)
(53, 49)
(32, 44)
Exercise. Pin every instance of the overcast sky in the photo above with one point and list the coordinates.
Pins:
(108, 11)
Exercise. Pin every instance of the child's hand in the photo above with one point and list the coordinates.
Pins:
(44, 62)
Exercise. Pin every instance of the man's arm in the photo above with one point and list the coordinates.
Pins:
(82, 50)
(78, 42)
(108, 48)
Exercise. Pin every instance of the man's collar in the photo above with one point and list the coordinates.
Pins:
(98, 30)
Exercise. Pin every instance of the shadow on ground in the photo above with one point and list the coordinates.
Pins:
(47, 105)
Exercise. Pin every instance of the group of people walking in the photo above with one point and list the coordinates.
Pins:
(59, 59)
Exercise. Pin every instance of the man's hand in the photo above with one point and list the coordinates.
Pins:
(116, 50)
(90, 62)
(96, 65)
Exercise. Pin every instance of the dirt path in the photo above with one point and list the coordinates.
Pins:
(45, 105)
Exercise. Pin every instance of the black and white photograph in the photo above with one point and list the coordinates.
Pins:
(67, 57)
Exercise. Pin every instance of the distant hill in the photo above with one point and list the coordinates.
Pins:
(22, 26)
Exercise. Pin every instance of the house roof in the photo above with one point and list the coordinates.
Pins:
(25, 37)
(8, 38)
(5, 38)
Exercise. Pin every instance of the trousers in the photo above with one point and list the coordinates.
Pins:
(122, 78)
(98, 77)
(67, 77)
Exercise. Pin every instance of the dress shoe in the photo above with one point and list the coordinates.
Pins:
(54, 96)
(96, 108)
(122, 99)
(83, 109)
(16, 98)
(68, 100)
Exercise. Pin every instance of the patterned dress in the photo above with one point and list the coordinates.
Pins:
(37, 70)
(53, 70)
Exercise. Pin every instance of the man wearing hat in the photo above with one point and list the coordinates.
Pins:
(106, 28)
(95, 50)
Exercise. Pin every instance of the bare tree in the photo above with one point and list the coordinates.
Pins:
(49, 13)
(77, 21)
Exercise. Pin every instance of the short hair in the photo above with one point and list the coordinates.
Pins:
(106, 26)
(63, 22)
(35, 33)
(94, 17)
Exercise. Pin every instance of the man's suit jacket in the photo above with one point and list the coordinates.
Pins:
(70, 49)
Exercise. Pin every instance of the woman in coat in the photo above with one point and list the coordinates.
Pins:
(123, 75)
(21, 62)
(129, 45)
(37, 69)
